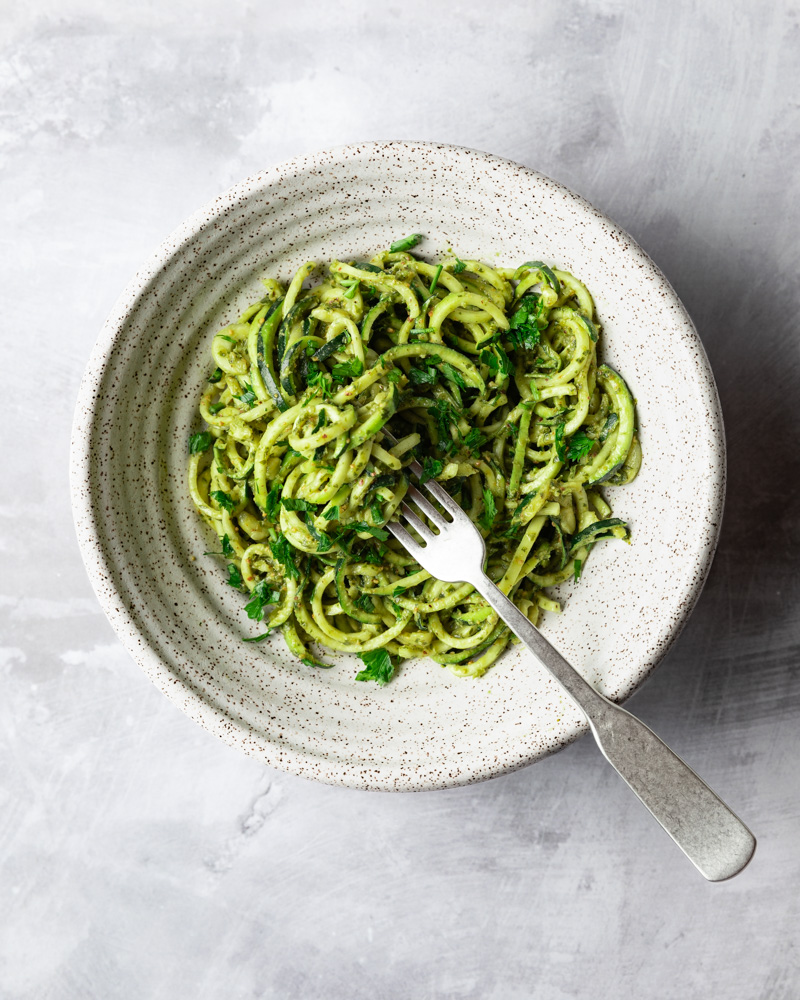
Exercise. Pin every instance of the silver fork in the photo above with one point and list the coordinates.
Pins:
(712, 837)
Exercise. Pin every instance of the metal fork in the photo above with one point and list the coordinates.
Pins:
(712, 837)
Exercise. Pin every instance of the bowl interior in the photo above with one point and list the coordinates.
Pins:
(144, 544)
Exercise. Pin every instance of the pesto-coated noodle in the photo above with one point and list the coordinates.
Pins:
(488, 376)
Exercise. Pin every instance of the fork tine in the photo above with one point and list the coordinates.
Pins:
(426, 507)
(407, 540)
(421, 528)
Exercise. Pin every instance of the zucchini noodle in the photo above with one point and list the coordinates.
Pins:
(487, 375)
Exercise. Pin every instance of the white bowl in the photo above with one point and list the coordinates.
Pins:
(143, 543)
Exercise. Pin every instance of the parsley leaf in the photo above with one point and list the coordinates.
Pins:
(323, 542)
(378, 667)
(227, 548)
(379, 533)
(393, 376)
(524, 331)
(579, 445)
(486, 520)
(452, 374)
(364, 602)
(262, 594)
(216, 407)
(347, 369)
(199, 443)
(423, 376)
(234, 575)
(431, 468)
(407, 243)
(561, 448)
(273, 499)
(282, 549)
(317, 379)
(460, 266)
(332, 514)
(474, 440)
(444, 416)
(215, 376)
(248, 397)
(492, 363)
(223, 500)
(291, 504)
(399, 590)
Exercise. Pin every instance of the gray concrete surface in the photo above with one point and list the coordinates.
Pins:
(142, 858)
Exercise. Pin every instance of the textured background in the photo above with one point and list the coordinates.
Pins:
(142, 858)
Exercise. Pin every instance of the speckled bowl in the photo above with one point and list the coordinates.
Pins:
(143, 543)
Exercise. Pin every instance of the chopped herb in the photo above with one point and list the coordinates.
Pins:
(257, 638)
(227, 548)
(435, 281)
(248, 397)
(234, 575)
(506, 365)
(579, 445)
(364, 602)
(524, 329)
(577, 568)
(561, 448)
(284, 553)
(452, 374)
(223, 500)
(332, 514)
(399, 590)
(423, 376)
(199, 443)
(373, 556)
(322, 421)
(379, 533)
(459, 267)
(474, 440)
(377, 512)
(215, 376)
(292, 504)
(273, 499)
(407, 243)
(347, 369)
(216, 407)
(431, 468)
(352, 288)
(444, 417)
(486, 520)
(393, 376)
(225, 336)
(378, 666)
(323, 542)
(492, 363)
(317, 379)
(261, 595)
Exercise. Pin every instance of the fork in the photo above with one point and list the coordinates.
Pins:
(712, 837)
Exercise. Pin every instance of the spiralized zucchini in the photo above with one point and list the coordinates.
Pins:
(487, 375)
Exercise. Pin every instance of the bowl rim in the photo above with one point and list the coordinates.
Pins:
(94, 557)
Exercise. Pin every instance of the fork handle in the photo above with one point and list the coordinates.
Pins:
(712, 837)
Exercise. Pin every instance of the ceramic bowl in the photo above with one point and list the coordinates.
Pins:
(144, 545)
